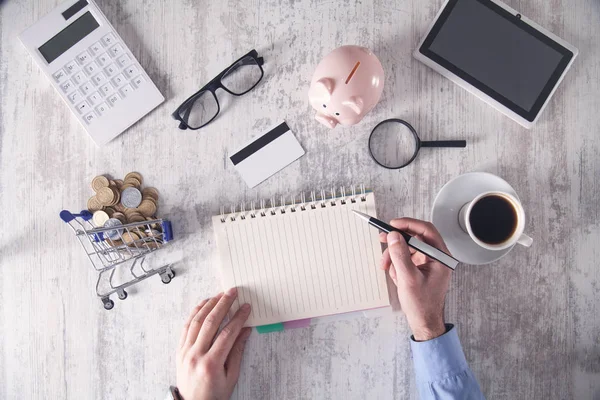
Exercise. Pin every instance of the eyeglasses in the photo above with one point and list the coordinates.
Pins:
(238, 79)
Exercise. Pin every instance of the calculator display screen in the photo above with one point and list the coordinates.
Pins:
(68, 37)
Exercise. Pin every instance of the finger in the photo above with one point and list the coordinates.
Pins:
(213, 321)
(226, 338)
(234, 359)
(383, 237)
(198, 320)
(186, 326)
(386, 261)
(426, 230)
(394, 276)
(400, 255)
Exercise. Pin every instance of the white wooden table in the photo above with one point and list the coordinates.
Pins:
(528, 323)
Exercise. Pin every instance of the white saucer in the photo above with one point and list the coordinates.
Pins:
(444, 215)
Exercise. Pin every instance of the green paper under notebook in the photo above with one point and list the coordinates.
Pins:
(302, 261)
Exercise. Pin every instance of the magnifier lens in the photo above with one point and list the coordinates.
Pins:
(393, 144)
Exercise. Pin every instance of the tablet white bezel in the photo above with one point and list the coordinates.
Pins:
(479, 93)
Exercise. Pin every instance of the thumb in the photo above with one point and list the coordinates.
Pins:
(400, 255)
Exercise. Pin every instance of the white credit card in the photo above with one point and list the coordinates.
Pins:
(267, 154)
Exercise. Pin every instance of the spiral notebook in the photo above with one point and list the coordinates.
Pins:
(299, 261)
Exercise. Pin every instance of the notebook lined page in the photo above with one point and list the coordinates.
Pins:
(303, 264)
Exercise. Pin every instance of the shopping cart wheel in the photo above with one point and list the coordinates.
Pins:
(166, 276)
(108, 303)
(122, 295)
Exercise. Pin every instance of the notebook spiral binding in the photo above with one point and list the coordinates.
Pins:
(293, 206)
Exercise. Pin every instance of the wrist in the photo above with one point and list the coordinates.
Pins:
(430, 331)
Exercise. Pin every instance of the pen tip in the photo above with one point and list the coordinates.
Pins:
(361, 215)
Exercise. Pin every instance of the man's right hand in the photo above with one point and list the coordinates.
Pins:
(421, 281)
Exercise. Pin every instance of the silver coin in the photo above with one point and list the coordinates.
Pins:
(131, 197)
(113, 234)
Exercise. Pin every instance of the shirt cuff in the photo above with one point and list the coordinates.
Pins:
(438, 358)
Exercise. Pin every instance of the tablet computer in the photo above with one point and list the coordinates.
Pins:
(497, 54)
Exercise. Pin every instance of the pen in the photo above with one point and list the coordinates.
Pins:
(412, 241)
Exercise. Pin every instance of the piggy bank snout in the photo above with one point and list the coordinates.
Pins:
(326, 120)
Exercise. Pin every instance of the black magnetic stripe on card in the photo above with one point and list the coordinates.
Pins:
(74, 9)
(259, 143)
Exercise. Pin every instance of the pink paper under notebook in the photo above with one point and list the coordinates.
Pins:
(298, 261)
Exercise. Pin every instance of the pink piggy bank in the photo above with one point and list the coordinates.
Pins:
(346, 85)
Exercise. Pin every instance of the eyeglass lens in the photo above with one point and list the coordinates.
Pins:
(238, 79)
(393, 144)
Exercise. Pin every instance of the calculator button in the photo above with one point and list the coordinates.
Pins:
(111, 70)
(118, 80)
(89, 118)
(71, 67)
(67, 86)
(106, 89)
(91, 68)
(86, 87)
(79, 77)
(124, 59)
(131, 71)
(116, 50)
(108, 39)
(83, 107)
(137, 81)
(83, 58)
(103, 59)
(99, 78)
(75, 96)
(94, 98)
(113, 99)
(101, 109)
(96, 48)
(126, 90)
(59, 76)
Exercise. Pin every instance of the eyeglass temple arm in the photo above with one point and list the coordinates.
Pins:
(444, 143)
(247, 61)
(182, 125)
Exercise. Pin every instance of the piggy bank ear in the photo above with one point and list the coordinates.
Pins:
(325, 84)
(355, 103)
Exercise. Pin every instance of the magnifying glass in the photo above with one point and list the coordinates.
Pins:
(394, 143)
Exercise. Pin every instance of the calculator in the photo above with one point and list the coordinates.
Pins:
(92, 69)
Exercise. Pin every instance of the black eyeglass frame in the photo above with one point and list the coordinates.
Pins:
(418, 143)
(212, 87)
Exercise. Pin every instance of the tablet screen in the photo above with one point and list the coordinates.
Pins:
(498, 53)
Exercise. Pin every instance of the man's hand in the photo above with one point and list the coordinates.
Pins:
(422, 282)
(208, 364)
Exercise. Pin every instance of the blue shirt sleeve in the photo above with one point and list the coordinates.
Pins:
(441, 369)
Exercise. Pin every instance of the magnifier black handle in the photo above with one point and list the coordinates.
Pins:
(444, 143)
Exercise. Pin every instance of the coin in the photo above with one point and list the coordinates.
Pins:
(99, 218)
(113, 234)
(119, 182)
(105, 196)
(119, 207)
(93, 204)
(99, 182)
(125, 186)
(130, 237)
(137, 218)
(110, 211)
(135, 175)
(132, 181)
(150, 192)
(120, 216)
(117, 196)
(131, 197)
(147, 208)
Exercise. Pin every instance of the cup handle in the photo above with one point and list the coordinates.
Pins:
(525, 240)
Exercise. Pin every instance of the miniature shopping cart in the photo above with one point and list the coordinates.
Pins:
(120, 249)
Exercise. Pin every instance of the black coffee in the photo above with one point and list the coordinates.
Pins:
(493, 219)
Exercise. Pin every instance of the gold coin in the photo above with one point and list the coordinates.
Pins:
(133, 181)
(136, 218)
(135, 175)
(105, 196)
(154, 225)
(119, 207)
(110, 211)
(117, 195)
(147, 208)
(99, 182)
(125, 186)
(152, 244)
(150, 192)
(114, 242)
(140, 233)
(119, 183)
(93, 204)
(120, 216)
(129, 238)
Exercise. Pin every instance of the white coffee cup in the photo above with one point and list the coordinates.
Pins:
(517, 236)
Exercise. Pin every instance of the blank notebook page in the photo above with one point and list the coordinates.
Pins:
(302, 264)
